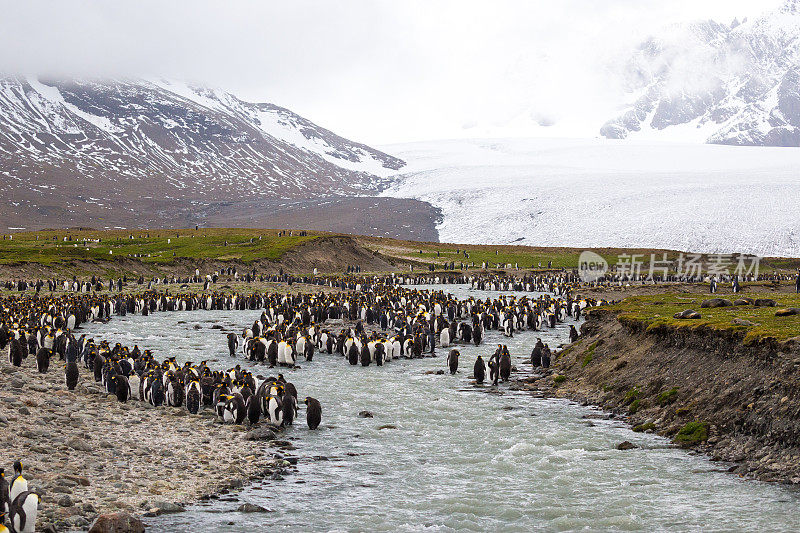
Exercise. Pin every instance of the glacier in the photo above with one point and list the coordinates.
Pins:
(592, 193)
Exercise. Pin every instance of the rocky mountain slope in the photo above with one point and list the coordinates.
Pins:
(132, 152)
(735, 83)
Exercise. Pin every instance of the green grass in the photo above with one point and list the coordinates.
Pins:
(561, 378)
(533, 257)
(692, 433)
(156, 246)
(667, 397)
(656, 312)
(590, 353)
(631, 395)
(649, 426)
(635, 406)
(522, 256)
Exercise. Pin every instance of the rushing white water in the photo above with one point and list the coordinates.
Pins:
(459, 457)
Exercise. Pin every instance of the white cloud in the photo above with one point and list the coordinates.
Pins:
(377, 71)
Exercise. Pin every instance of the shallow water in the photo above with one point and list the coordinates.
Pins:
(460, 458)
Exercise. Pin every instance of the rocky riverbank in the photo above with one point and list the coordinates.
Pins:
(87, 454)
(702, 388)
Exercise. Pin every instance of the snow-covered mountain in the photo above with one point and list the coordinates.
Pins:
(88, 146)
(608, 193)
(735, 83)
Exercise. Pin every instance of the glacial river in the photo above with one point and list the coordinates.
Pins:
(455, 456)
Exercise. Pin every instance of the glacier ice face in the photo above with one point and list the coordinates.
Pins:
(603, 193)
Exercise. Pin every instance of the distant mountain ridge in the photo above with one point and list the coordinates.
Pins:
(108, 152)
(735, 83)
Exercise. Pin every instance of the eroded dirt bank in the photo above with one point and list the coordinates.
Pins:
(703, 388)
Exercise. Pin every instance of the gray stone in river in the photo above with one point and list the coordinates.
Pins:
(626, 445)
(252, 508)
(168, 507)
(365, 414)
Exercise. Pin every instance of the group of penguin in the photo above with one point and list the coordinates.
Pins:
(131, 374)
(293, 327)
(44, 326)
(18, 505)
(499, 365)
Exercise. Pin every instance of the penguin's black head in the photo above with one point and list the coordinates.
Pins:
(17, 467)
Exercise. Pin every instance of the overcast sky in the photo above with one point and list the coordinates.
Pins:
(375, 71)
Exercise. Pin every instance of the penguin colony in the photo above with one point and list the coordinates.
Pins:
(132, 374)
(290, 326)
(294, 326)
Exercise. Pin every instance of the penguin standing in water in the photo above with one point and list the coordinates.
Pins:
(546, 356)
(275, 410)
(272, 353)
(233, 343)
(536, 353)
(43, 359)
(289, 407)
(352, 354)
(253, 407)
(573, 334)
(452, 360)
(366, 357)
(479, 370)
(493, 370)
(505, 364)
(313, 412)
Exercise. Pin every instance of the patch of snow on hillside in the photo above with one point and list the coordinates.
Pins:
(274, 124)
(597, 193)
(53, 95)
